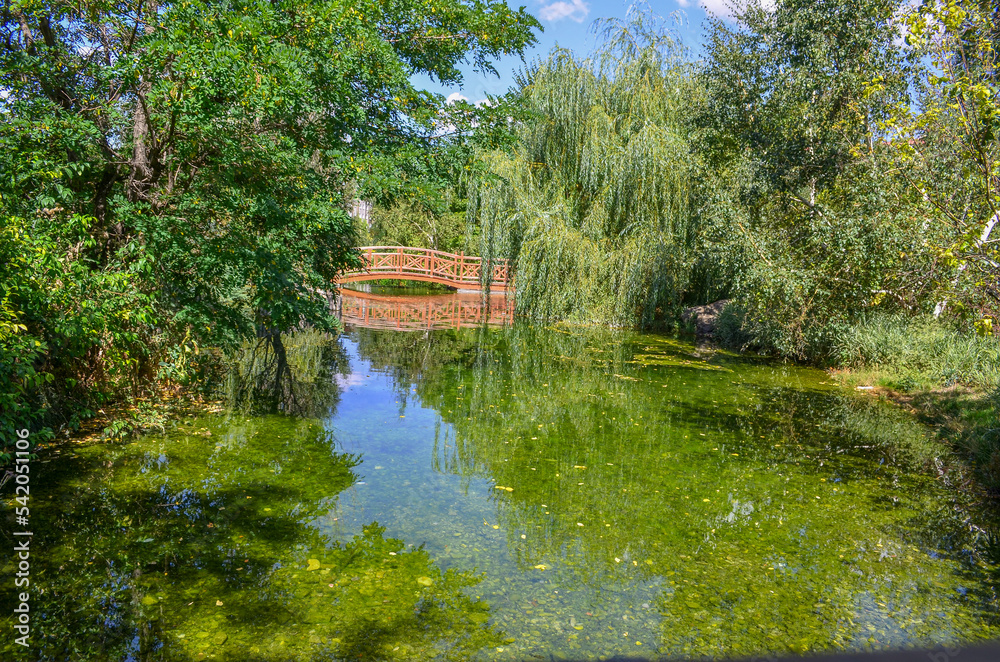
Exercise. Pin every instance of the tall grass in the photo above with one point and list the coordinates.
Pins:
(924, 357)
(908, 353)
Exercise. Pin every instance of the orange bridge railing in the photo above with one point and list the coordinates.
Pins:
(421, 313)
(463, 272)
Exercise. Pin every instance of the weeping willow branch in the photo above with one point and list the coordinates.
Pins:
(593, 206)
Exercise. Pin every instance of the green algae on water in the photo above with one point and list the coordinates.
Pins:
(508, 494)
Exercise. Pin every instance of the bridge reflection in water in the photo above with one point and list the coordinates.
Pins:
(422, 312)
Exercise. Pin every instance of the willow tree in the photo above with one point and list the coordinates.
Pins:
(592, 205)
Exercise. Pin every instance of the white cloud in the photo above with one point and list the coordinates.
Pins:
(723, 8)
(717, 7)
(347, 381)
(575, 10)
(684, 3)
(455, 97)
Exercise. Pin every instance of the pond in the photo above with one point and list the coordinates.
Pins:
(510, 493)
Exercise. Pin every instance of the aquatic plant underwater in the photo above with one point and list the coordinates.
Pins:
(509, 493)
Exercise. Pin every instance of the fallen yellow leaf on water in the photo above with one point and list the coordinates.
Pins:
(579, 466)
(218, 603)
(541, 567)
(496, 526)
(509, 489)
(313, 565)
(500, 487)
(425, 581)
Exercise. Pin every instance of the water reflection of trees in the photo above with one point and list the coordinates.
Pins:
(653, 464)
(201, 542)
(293, 374)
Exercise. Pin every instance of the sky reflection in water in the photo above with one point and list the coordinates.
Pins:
(509, 494)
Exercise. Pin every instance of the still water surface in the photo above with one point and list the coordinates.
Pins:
(510, 494)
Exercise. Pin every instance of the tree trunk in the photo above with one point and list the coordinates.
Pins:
(140, 168)
(141, 171)
(983, 238)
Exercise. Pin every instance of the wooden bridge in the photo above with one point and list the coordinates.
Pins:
(421, 313)
(462, 272)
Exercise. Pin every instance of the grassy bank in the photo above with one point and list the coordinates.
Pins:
(917, 354)
(948, 378)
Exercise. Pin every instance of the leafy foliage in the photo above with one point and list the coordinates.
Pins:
(174, 172)
(802, 206)
(409, 223)
(421, 200)
(949, 149)
(593, 204)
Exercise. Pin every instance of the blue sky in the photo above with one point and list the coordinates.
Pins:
(568, 24)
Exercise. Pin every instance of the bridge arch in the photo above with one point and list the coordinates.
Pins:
(462, 272)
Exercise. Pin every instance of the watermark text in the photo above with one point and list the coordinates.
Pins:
(22, 542)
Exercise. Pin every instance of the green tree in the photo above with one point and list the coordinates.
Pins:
(181, 164)
(801, 207)
(409, 223)
(421, 191)
(948, 144)
(593, 204)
